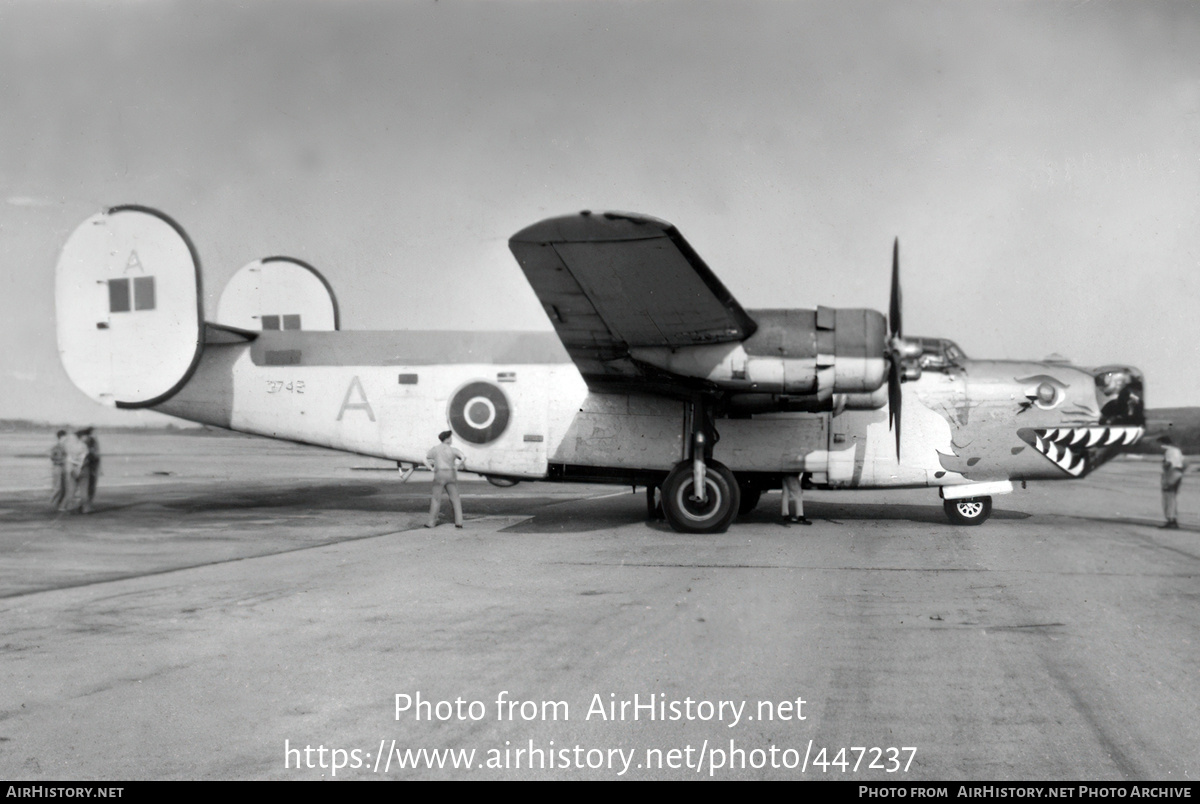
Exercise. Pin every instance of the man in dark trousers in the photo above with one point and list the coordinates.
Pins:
(91, 469)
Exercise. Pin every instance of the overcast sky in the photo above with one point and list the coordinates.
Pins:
(1039, 161)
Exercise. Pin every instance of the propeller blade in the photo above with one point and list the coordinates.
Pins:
(894, 308)
(895, 398)
(895, 376)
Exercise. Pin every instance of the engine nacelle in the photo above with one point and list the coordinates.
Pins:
(751, 403)
(800, 353)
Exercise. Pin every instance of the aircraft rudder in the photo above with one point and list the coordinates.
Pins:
(279, 293)
(129, 307)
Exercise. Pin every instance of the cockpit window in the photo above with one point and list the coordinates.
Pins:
(939, 354)
(1119, 392)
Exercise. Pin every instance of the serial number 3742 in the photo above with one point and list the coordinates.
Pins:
(285, 386)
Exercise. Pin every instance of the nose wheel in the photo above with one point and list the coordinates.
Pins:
(969, 510)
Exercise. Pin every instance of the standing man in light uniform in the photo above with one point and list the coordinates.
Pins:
(444, 460)
(58, 470)
(793, 501)
(1172, 478)
(77, 453)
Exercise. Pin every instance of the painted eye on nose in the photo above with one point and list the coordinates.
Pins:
(1045, 391)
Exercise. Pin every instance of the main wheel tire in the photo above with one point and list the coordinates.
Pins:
(969, 510)
(502, 482)
(715, 513)
(750, 496)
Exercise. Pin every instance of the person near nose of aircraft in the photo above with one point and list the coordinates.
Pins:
(1172, 477)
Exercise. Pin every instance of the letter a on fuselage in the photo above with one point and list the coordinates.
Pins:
(364, 405)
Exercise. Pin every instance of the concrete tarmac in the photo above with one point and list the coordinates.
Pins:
(243, 609)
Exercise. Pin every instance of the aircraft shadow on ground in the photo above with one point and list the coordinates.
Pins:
(266, 497)
(548, 514)
(836, 512)
(130, 502)
(584, 516)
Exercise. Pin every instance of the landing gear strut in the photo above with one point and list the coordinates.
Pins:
(700, 495)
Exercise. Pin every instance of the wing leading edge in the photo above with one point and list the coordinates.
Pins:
(613, 281)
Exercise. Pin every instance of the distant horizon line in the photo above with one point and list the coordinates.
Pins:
(15, 425)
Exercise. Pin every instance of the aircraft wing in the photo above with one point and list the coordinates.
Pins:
(614, 281)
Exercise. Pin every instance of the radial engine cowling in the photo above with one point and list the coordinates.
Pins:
(813, 353)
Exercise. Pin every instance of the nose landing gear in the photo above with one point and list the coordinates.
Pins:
(968, 510)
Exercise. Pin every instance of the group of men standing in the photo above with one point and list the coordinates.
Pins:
(75, 466)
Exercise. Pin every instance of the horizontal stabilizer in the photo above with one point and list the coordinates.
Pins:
(221, 335)
(128, 307)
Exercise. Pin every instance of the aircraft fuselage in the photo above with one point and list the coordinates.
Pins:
(520, 408)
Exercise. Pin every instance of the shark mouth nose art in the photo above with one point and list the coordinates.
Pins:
(1068, 446)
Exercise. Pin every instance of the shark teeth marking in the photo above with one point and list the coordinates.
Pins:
(1067, 446)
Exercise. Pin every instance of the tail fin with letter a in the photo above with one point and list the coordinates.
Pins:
(129, 307)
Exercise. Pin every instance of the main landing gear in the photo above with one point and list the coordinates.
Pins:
(687, 511)
(700, 495)
(968, 510)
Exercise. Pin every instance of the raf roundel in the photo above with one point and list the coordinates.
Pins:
(479, 412)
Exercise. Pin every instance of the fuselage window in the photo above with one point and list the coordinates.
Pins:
(270, 322)
(291, 322)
